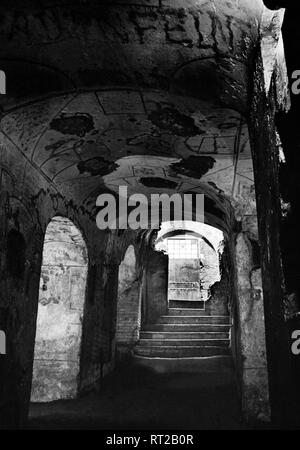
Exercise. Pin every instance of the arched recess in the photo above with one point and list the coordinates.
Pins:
(128, 308)
(60, 312)
(195, 273)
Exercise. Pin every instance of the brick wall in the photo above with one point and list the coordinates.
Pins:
(128, 309)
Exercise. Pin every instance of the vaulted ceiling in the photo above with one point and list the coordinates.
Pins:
(202, 48)
(150, 94)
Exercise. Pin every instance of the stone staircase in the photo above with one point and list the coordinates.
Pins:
(185, 333)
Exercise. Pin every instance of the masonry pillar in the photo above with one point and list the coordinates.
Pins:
(128, 310)
(19, 287)
(155, 288)
(253, 371)
(266, 161)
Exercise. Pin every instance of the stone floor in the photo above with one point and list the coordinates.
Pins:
(138, 398)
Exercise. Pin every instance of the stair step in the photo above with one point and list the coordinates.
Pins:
(183, 335)
(184, 342)
(186, 304)
(186, 312)
(194, 319)
(180, 352)
(202, 327)
(220, 364)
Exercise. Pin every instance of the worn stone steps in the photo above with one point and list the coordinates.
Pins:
(187, 304)
(179, 328)
(220, 364)
(184, 342)
(192, 319)
(185, 333)
(155, 351)
(192, 335)
(186, 312)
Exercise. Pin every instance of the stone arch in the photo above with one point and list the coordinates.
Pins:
(199, 273)
(241, 277)
(61, 303)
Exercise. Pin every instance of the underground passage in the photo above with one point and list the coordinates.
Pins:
(186, 324)
(60, 310)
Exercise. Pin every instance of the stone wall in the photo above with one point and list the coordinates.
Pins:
(251, 334)
(60, 313)
(184, 271)
(209, 270)
(129, 306)
(155, 287)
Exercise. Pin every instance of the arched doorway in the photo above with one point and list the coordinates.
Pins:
(60, 312)
(195, 252)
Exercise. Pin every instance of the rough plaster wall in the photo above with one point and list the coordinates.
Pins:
(182, 271)
(17, 309)
(210, 273)
(273, 56)
(220, 295)
(128, 310)
(60, 313)
(252, 345)
(155, 287)
(264, 142)
(215, 290)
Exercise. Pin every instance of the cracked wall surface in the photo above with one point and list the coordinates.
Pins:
(60, 313)
(128, 307)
